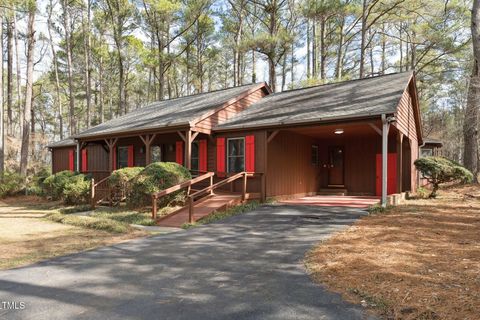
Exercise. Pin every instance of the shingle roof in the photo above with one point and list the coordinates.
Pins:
(174, 112)
(68, 142)
(349, 99)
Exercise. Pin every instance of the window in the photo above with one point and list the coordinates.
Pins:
(426, 153)
(195, 157)
(156, 153)
(236, 155)
(122, 157)
(315, 155)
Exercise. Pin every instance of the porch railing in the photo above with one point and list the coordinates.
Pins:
(187, 184)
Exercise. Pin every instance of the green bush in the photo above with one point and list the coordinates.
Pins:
(77, 190)
(11, 184)
(154, 178)
(36, 184)
(55, 184)
(122, 179)
(71, 187)
(438, 170)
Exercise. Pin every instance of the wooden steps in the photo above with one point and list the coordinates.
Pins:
(333, 192)
(216, 202)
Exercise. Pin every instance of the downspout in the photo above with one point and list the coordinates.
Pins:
(78, 157)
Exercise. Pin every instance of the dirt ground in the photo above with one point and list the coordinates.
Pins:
(420, 260)
(25, 237)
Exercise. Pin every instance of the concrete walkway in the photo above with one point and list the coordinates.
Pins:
(245, 267)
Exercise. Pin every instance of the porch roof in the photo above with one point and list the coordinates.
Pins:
(68, 142)
(182, 111)
(352, 99)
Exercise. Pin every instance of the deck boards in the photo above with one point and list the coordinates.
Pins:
(202, 209)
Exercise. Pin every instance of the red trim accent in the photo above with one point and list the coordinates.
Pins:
(71, 160)
(114, 164)
(250, 153)
(84, 160)
(391, 174)
(179, 153)
(130, 161)
(221, 157)
(202, 155)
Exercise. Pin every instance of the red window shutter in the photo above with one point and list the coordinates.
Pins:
(179, 153)
(114, 166)
(202, 155)
(250, 153)
(71, 160)
(84, 160)
(130, 160)
(221, 157)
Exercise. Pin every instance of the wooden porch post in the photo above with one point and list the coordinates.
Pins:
(188, 139)
(111, 145)
(399, 162)
(147, 141)
(385, 127)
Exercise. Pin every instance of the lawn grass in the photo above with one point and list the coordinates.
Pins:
(27, 236)
(91, 222)
(420, 260)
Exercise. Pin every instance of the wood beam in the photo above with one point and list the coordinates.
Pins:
(374, 127)
(188, 149)
(271, 136)
(147, 141)
(194, 135)
(182, 136)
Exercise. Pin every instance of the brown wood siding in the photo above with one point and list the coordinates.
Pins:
(60, 161)
(230, 110)
(406, 117)
(97, 158)
(290, 170)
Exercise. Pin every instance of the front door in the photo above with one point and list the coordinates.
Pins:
(336, 166)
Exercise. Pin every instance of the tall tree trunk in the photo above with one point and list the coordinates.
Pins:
(323, 50)
(470, 127)
(28, 90)
(314, 48)
(88, 80)
(363, 35)
(338, 65)
(19, 72)
(100, 91)
(308, 49)
(2, 130)
(254, 66)
(9, 22)
(55, 69)
(68, 43)
(284, 71)
(384, 50)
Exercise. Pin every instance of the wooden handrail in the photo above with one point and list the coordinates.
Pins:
(99, 182)
(221, 183)
(186, 184)
(182, 185)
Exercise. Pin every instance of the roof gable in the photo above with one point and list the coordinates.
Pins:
(343, 100)
(178, 112)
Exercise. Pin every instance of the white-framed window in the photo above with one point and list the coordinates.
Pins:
(426, 153)
(156, 153)
(235, 154)
(314, 155)
(122, 157)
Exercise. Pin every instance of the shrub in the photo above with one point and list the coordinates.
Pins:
(55, 184)
(11, 184)
(154, 178)
(71, 187)
(438, 170)
(77, 190)
(122, 179)
(36, 184)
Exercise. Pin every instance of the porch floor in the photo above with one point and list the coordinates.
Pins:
(335, 201)
(201, 209)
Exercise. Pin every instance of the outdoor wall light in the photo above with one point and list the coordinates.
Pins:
(338, 131)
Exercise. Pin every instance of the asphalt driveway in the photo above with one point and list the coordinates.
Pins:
(245, 267)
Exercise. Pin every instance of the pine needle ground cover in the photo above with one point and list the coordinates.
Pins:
(420, 260)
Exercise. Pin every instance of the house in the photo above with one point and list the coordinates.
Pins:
(431, 147)
(358, 136)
